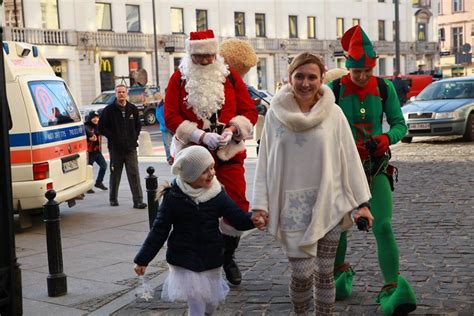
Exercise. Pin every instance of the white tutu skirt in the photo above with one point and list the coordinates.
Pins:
(183, 284)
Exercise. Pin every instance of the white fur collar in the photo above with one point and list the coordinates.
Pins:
(200, 195)
(288, 112)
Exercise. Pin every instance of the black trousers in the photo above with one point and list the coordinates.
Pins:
(130, 160)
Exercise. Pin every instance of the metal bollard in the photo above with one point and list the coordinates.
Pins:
(57, 283)
(151, 190)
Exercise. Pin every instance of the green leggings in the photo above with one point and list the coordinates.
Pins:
(387, 250)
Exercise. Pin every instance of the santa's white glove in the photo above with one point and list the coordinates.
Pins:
(212, 140)
(226, 138)
(196, 135)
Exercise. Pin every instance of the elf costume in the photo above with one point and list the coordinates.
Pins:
(364, 110)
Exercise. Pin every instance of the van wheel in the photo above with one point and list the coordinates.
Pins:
(407, 140)
(469, 132)
(150, 118)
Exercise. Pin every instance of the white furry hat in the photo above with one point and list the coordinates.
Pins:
(202, 42)
(191, 162)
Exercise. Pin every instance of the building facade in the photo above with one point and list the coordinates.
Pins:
(456, 37)
(94, 45)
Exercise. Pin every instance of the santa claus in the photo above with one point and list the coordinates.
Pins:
(207, 103)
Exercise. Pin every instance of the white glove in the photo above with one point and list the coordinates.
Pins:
(226, 138)
(212, 140)
(196, 135)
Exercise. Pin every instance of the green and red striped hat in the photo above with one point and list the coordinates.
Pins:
(360, 52)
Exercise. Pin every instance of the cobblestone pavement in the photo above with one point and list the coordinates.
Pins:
(433, 222)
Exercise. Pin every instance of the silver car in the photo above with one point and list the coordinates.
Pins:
(445, 107)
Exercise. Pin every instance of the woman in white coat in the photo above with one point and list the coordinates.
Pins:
(308, 178)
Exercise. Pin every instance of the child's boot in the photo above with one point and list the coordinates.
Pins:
(397, 298)
(343, 275)
(232, 272)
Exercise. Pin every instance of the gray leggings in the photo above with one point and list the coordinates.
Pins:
(317, 272)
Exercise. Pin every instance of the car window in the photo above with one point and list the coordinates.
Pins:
(104, 98)
(144, 95)
(53, 102)
(448, 90)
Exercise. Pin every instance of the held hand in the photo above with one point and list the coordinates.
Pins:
(139, 270)
(364, 212)
(363, 152)
(226, 138)
(382, 145)
(212, 140)
(260, 219)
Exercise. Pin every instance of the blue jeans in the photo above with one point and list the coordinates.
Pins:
(167, 137)
(97, 157)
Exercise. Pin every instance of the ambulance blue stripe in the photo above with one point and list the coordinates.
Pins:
(46, 137)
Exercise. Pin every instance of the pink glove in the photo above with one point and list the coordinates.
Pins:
(226, 138)
(382, 145)
(212, 140)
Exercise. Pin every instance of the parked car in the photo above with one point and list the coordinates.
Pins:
(445, 107)
(145, 98)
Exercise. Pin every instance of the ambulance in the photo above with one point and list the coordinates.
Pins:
(48, 148)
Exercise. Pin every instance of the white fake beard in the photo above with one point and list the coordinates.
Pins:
(204, 85)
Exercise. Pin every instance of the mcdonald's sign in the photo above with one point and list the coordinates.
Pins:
(105, 65)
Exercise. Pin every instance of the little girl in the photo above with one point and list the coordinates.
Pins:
(191, 208)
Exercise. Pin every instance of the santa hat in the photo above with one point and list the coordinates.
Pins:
(360, 52)
(202, 42)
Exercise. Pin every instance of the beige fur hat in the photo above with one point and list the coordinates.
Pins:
(238, 54)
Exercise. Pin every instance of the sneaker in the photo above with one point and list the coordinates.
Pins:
(90, 191)
(232, 273)
(114, 203)
(101, 186)
(139, 205)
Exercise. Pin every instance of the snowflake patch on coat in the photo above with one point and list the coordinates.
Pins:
(298, 209)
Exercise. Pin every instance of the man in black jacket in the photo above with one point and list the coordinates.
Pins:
(120, 123)
(401, 87)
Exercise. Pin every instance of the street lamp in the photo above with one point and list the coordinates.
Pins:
(155, 44)
(397, 38)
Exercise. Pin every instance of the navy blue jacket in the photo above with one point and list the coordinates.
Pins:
(195, 242)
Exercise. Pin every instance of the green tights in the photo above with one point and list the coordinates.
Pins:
(387, 250)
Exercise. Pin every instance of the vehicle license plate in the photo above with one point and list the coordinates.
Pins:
(70, 165)
(419, 126)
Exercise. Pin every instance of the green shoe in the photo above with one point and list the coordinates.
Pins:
(397, 299)
(343, 279)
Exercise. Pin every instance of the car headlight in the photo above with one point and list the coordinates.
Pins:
(446, 115)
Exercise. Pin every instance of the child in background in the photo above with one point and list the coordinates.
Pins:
(165, 133)
(191, 208)
(94, 148)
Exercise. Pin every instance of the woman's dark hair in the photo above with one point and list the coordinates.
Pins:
(306, 58)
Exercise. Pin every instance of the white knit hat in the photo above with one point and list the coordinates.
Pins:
(202, 42)
(191, 162)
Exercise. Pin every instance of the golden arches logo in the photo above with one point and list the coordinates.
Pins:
(105, 65)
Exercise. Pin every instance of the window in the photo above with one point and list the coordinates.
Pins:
(53, 102)
(239, 22)
(457, 41)
(133, 18)
(441, 34)
(382, 1)
(311, 27)
(394, 30)
(177, 22)
(262, 73)
(13, 13)
(201, 20)
(421, 32)
(381, 30)
(339, 27)
(355, 22)
(176, 62)
(382, 67)
(49, 14)
(134, 65)
(103, 16)
(457, 5)
(293, 26)
(260, 25)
